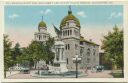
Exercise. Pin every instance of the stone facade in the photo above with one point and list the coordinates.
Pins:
(74, 43)
(89, 54)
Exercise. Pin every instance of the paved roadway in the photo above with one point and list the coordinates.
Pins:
(104, 74)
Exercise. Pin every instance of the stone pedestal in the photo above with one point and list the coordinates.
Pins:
(59, 60)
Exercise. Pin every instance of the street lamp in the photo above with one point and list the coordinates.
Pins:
(76, 60)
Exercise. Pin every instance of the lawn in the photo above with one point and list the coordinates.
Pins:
(117, 75)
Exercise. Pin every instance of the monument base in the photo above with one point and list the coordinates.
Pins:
(59, 67)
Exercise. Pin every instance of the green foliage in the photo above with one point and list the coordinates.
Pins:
(48, 49)
(8, 60)
(16, 52)
(117, 75)
(37, 51)
(113, 46)
(27, 56)
(24, 59)
(7, 53)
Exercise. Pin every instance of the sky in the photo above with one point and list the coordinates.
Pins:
(21, 22)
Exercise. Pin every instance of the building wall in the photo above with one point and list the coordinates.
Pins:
(71, 37)
(90, 55)
(71, 52)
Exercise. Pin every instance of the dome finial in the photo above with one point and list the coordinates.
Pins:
(42, 18)
(69, 11)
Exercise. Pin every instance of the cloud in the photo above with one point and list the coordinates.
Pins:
(45, 12)
(82, 14)
(115, 15)
(13, 16)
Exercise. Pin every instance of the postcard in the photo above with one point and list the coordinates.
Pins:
(64, 43)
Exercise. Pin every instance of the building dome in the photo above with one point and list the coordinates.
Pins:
(70, 16)
(42, 24)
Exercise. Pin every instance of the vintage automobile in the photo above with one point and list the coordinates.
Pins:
(25, 70)
(99, 68)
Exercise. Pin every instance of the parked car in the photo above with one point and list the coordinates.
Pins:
(25, 70)
(99, 68)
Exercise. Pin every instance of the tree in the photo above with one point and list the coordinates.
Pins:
(48, 48)
(113, 47)
(39, 50)
(16, 52)
(8, 60)
(25, 59)
(35, 51)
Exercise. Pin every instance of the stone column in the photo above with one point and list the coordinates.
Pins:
(55, 54)
(60, 54)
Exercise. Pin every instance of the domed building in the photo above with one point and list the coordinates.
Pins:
(74, 43)
(70, 28)
(42, 34)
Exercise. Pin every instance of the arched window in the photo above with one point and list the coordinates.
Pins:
(66, 33)
(39, 37)
(76, 46)
(57, 55)
(94, 52)
(81, 51)
(88, 52)
(88, 60)
(68, 46)
(70, 32)
(62, 54)
(67, 60)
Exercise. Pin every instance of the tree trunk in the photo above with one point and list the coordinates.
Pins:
(5, 74)
(122, 68)
(35, 64)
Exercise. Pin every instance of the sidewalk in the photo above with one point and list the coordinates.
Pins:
(104, 74)
(8, 73)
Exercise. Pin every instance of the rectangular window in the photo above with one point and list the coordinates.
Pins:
(66, 32)
(76, 46)
(70, 32)
(68, 46)
(67, 60)
(88, 60)
(39, 37)
(63, 33)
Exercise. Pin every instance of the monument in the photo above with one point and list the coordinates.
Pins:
(59, 60)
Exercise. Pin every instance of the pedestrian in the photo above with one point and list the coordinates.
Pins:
(10, 70)
(86, 70)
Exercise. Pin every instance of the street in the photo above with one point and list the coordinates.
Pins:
(104, 74)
